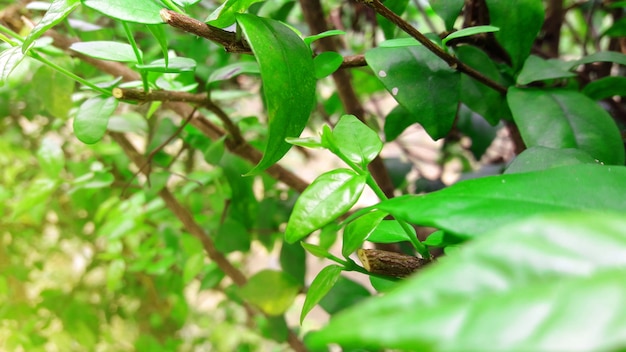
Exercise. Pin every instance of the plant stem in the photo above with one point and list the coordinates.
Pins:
(138, 55)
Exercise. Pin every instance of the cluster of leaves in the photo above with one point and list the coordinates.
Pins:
(521, 248)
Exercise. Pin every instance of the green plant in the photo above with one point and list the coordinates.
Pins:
(131, 173)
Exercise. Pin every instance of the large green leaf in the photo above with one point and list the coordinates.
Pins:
(106, 50)
(320, 286)
(328, 197)
(272, 291)
(471, 207)
(421, 82)
(92, 118)
(529, 286)
(356, 141)
(519, 22)
(558, 118)
(140, 11)
(288, 76)
(540, 158)
(58, 11)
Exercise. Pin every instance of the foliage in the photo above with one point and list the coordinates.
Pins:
(141, 176)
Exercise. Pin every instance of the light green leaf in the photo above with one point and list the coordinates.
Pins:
(233, 70)
(58, 11)
(329, 196)
(51, 158)
(106, 50)
(115, 273)
(174, 65)
(558, 118)
(288, 88)
(92, 118)
(356, 141)
(320, 286)
(224, 15)
(358, 230)
(399, 42)
(326, 63)
(389, 231)
(158, 31)
(466, 32)
(538, 69)
(316, 250)
(54, 89)
(37, 193)
(193, 266)
(310, 39)
(513, 289)
(9, 59)
(140, 11)
(271, 291)
(128, 122)
(307, 142)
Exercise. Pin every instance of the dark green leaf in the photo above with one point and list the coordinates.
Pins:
(58, 11)
(356, 141)
(358, 230)
(389, 231)
(511, 290)
(343, 294)
(538, 69)
(477, 128)
(293, 261)
(288, 88)
(37, 193)
(140, 11)
(606, 87)
(225, 15)
(389, 29)
(421, 82)
(397, 121)
(174, 65)
(448, 10)
(320, 286)
(519, 26)
(271, 291)
(618, 29)
(466, 32)
(329, 196)
(92, 117)
(466, 209)
(51, 158)
(399, 42)
(243, 204)
(541, 158)
(326, 63)
(232, 236)
(566, 119)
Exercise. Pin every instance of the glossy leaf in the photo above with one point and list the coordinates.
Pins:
(326, 63)
(538, 69)
(481, 99)
(448, 10)
(541, 158)
(288, 89)
(58, 11)
(358, 230)
(356, 141)
(9, 59)
(51, 158)
(310, 39)
(105, 50)
(566, 119)
(467, 210)
(466, 32)
(224, 15)
(519, 23)
(174, 65)
(92, 117)
(316, 250)
(320, 286)
(140, 11)
(421, 82)
(271, 291)
(389, 231)
(329, 196)
(514, 289)
(606, 87)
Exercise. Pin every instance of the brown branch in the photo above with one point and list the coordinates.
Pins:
(452, 61)
(387, 263)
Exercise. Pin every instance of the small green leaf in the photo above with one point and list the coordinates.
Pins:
(328, 197)
(233, 70)
(158, 32)
(466, 32)
(558, 118)
(175, 65)
(224, 15)
(115, 273)
(601, 56)
(538, 69)
(358, 230)
(51, 158)
(448, 10)
(54, 90)
(606, 87)
(316, 250)
(213, 154)
(320, 286)
(389, 231)
(271, 291)
(307, 142)
(92, 118)
(356, 141)
(326, 63)
(58, 11)
(421, 82)
(397, 121)
(193, 266)
(541, 158)
(310, 39)
(288, 88)
(130, 121)
(9, 59)
(399, 42)
(140, 11)
(106, 50)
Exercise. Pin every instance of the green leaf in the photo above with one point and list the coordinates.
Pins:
(514, 289)
(481, 99)
(326, 63)
(519, 25)
(310, 39)
(140, 11)
(51, 158)
(541, 158)
(466, 209)
(316, 250)
(288, 88)
(271, 291)
(106, 50)
(37, 193)
(54, 90)
(232, 236)
(131, 121)
(233, 70)
(193, 267)
(92, 117)
(293, 261)
(343, 294)
(601, 56)
(448, 10)
(320, 286)
(328, 197)
(390, 29)
(469, 31)
(175, 65)
(606, 87)
(115, 274)
(399, 42)
(477, 128)
(389, 231)
(58, 11)
(213, 154)
(557, 118)
(225, 15)
(307, 142)
(397, 121)
(9, 59)
(421, 82)
(538, 69)
(356, 141)
(358, 230)
(158, 32)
